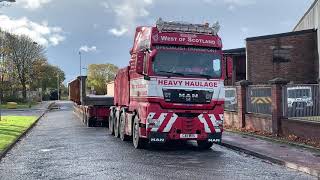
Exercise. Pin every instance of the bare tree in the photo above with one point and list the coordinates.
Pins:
(22, 51)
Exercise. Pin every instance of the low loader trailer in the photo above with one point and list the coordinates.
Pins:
(173, 87)
(93, 110)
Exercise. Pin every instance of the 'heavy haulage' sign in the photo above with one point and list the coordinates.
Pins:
(188, 83)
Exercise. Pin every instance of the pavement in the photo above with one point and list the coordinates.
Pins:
(298, 158)
(61, 147)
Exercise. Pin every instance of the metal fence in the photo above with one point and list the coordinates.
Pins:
(231, 102)
(302, 102)
(259, 99)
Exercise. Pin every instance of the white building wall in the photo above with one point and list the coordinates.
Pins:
(311, 21)
(110, 89)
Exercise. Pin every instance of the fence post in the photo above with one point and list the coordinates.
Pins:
(241, 98)
(277, 110)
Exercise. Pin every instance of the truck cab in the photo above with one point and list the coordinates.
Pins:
(173, 87)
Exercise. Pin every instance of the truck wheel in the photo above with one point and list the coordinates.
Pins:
(90, 122)
(138, 142)
(111, 124)
(122, 132)
(84, 120)
(203, 145)
(116, 125)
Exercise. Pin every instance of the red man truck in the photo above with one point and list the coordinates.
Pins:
(173, 88)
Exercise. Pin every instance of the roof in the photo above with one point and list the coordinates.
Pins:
(294, 33)
(305, 14)
(238, 51)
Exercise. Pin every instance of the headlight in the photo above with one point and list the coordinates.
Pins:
(209, 96)
(166, 95)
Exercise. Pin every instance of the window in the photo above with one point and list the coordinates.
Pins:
(281, 55)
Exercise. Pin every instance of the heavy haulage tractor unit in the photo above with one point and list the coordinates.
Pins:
(93, 110)
(173, 87)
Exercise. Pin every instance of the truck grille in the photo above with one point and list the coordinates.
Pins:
(187, 96)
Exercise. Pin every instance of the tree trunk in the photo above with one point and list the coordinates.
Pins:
(24, 91)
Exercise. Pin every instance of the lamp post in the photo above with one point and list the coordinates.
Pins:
(80, 62)
(58, 87)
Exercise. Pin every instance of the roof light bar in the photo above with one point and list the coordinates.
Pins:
(172, 26)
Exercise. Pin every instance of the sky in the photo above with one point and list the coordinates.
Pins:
(103, 30)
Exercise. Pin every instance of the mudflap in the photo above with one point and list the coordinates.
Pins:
(157, 138)
(215, 138)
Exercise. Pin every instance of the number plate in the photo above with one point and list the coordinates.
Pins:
(188, 136)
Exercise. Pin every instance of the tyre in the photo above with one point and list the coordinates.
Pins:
(116, 124)
(122, 132)
(203, 145)
(111, 123)
(138, 142)
(90, 122)
(85, 120)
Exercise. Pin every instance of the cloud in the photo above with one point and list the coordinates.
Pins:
(232, 4)
(86, 48)
(32, 4)
(127, 13)
(41, 33)
(118, 32)
(105, 5)
(240, 2)
(244, 30)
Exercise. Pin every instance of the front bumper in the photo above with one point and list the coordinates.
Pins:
(160, 138)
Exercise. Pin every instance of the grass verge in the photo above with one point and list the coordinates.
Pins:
(19, 105)
(11, 127)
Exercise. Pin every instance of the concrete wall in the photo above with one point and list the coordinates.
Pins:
(303, 64)
(311, 20)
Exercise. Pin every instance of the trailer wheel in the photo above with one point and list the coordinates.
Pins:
(204, 145)
(122, 132)
(111, 123)
(138, 142)
(116, 124)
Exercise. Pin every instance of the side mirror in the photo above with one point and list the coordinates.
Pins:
(139, 62)
(153, 54)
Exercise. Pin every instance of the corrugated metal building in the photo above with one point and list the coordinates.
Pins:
(311, 20)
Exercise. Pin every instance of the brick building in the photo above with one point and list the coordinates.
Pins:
(292, 56)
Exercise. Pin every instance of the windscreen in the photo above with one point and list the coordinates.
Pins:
(187, 63)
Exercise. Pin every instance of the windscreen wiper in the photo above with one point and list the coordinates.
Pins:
(169, 72)
(201, 75)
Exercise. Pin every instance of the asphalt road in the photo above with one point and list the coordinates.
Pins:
(61, 147)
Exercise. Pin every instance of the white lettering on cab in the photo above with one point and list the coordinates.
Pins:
(166, 38)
